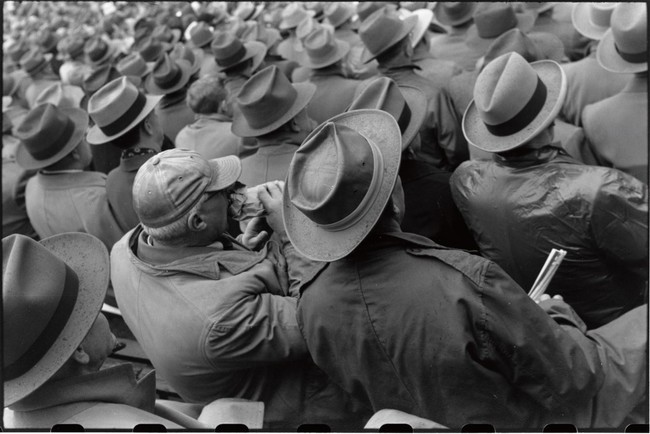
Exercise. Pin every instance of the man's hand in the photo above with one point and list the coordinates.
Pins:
(255, 234)
(545, 297)
(270, 194)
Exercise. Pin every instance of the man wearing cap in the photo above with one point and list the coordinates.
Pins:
(227, 306)
(56, 340)
(437, 333)
(616, 128)
(451, 46)
(273, 111)
(387, 39)
(63, 196)
(532, 197)
(138, 136)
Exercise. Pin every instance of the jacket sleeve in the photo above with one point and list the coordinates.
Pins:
(100, 221)
(571, 373)
(619, 222)
(450, 135)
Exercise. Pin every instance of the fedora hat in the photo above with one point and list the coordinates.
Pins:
(52, 293)
(267, 101)
(34, 61)
(9, 85)
(424, 19)
(382, 30)
(47, 134)
(99, 77)
(407, 104)
(98, 51)
(151, 49)
(592, 19)
(168, 76)
(454, 13)
(259, 32)
(71, 47)
(293, 14)
(193, 56)
(323, 49)
(201, 34)
(166, 35)
(337, 13)
(60, 95)
(624, 47)
(513, 102)
(491, 20)
(116, 108)
(47, 40)
(134, 64)
(17, 50)
(339, 182)
(514, 40)
(170, 183)
(229, 51)
(248, 10)
(365, 9)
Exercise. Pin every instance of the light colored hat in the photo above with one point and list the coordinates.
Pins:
(47, 134)
(170, 183)
(166, 35)
(248, 10)
(624, 47)
(200, 34)
(454, 13)
(60, 95)
(116, 108)
(592, 19)
(229, 51)
(293, 14)
(267, 101)
(513, 102)
(491, 20)
(308, 25)
(168, 76)
(337, 13)
(134, 64)
(34, 61)
(98, 51)
(323, 49)
(424, 18)
(339, 182)
(192, 55)
(382, 30)
(52, 292)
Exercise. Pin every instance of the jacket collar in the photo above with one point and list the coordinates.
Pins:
(115, 385)
(202, 261)
(533, 157)
(213, 117)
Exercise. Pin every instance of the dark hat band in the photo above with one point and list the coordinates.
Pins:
(632, 57)
(51, 332)
(56, 145)
(123, 121)
(233, 58)
(169, 81)
(404, 117)
(95, 56)
(525, 115)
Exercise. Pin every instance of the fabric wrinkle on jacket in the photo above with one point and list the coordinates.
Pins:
(210, 136)
(269, 163)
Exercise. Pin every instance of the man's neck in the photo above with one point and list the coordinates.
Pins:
(281, 137)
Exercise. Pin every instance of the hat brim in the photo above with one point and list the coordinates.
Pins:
(425, 17)
(525, 22)
(47, 57)
(96, 136)
(80, 119)
(610, 60)
(254, 50)
(582, 23)
(409, 24)
(477, 134)
(110, 52)
(342, 49)
(442, 16)
(89, 259)
(348, 14)
(186, 72)
(417, 102)
(241, 128)
(312, 240)
(198, 60)
(228, 170)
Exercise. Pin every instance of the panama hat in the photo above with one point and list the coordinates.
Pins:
(267, 101)
(168, 76)
(71, 47)
(134, 64)
(60, 95)
(513, 102)
(248, 10)
(337, 13)
(592, 19)
(98, 51)
(152, 49)
(454, 13)
(407, 104)
(34, 61)
(47, 134)
(382, 30)
(322, 49)
(52, 293)
(307, 26)
(229, 51)
(200, 34)
(424, 19)
(17, 49)
(491, 20)
(339, 182)
(99, 77)
(192, 55)
(47, 40)
(624, 47)
(116, 108)
(293, 14)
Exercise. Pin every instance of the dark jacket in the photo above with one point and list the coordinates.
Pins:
(406, 324)
(519, 209)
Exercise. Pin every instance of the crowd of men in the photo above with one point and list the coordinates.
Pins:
(326, 213)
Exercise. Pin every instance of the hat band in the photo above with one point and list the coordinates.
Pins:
(56, 145)
(367, 201)
(51, 332)
(525, 115)
(632, 57)
(404, 117)
(98, 55)
(36, 66)
(233, 58)
(123, 121)
(169, 81)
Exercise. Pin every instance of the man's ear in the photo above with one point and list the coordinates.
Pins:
(195, 223)
(146, 126)
(293, 125)
(81, 356)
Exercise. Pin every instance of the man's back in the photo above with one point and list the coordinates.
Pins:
(519, 211)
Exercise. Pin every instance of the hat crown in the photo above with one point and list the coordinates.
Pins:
(378, 30)
(305, 27)
(629, 24)
(17, 50)
(494, 19)
(266, 97)
(503, 88)
(293, 14)
(226, 46)
(60, 95)
(201, 34)
(600, 14)
(74, 47)
(44, 131)
(331, 174)
(47, 40)
(32, 60)
(166, 72)
(180, 51)
(113, 101)
(151, 49)
(162, 33)
(96, 49)
(32, 301)
(99, 77)
(338, 13)
(319, 44)
(383, 94)
(168, 185)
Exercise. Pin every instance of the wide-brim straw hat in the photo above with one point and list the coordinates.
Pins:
(525, 21)
(88, 258)
(320, 244)
(592, 19)
(624, 47)
(552, 76)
